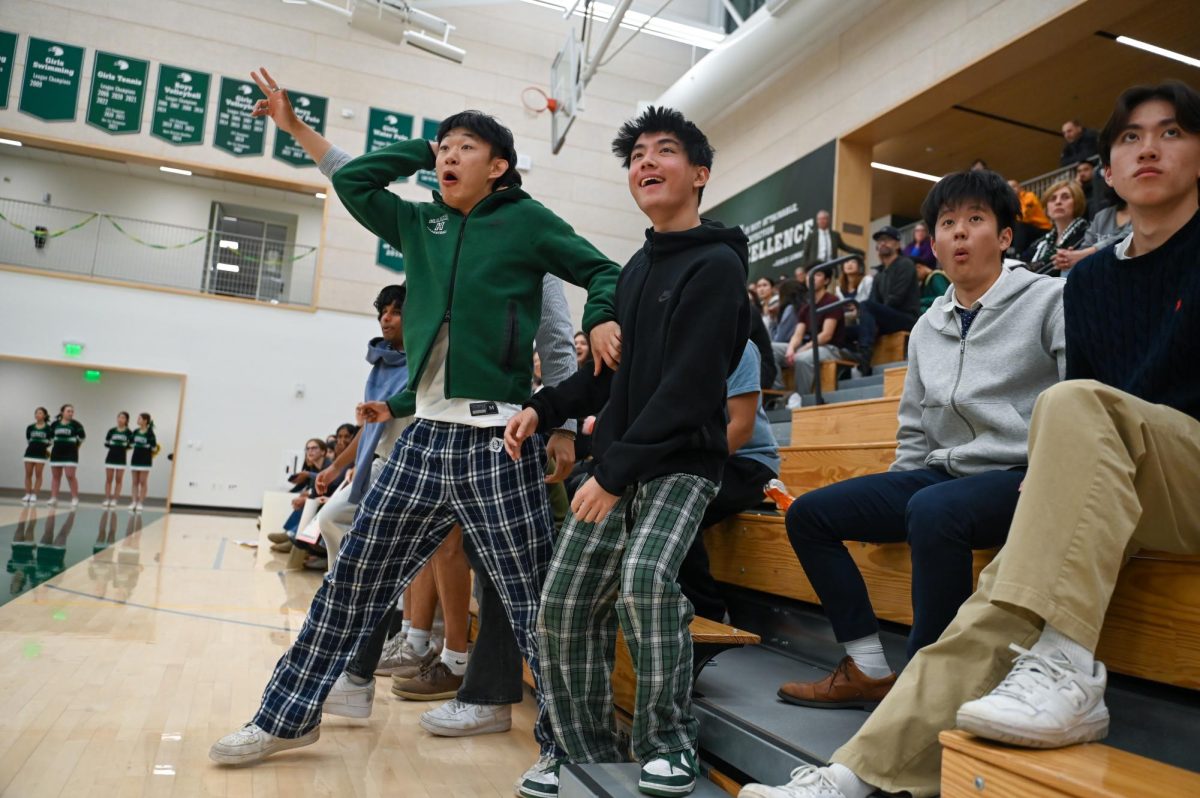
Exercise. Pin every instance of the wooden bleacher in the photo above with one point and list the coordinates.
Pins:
(1152, 627)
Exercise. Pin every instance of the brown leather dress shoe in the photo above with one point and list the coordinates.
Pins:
(846, 688)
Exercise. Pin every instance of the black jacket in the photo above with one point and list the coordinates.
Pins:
(897, 287)
(681, 304)
(1082, 148)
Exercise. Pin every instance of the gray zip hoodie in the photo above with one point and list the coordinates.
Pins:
(967, 401)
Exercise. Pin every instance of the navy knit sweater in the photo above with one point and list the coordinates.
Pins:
(1135, 324)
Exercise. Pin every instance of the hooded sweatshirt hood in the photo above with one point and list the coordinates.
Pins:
(664, 245)
(388, 377)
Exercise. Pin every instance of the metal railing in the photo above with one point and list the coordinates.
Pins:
(143, 252)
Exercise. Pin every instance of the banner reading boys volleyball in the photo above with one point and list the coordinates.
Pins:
(238, 133)
(50, 85)
(779, 212)
(118, 93)
(180, 105)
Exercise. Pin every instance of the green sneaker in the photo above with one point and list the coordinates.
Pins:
(670, 774)
(541, 780)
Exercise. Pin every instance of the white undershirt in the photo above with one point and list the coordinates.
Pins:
(823, 245)
(433, 405)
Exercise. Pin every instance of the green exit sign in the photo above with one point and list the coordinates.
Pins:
(72, 350)
(91, 375)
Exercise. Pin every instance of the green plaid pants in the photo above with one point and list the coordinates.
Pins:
(623, 569)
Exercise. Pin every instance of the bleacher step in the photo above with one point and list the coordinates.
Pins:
(616, 781)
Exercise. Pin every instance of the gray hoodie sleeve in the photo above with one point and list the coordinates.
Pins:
(912, 447)
(555, 337)
(334, 160)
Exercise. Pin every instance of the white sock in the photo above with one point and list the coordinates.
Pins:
(456, 661)
(419, 640)
(405, 628)
(867, 653)
(1077, 654)
(847, 783)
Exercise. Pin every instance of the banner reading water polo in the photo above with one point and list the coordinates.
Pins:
(310, 109)
(238, 133)
(118, 93)
(779, 212)
(180, 105)
(386, 127)
(50, 85)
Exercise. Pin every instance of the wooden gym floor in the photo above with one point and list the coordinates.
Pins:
(120, 672)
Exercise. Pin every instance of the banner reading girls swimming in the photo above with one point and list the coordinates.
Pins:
(779, 212)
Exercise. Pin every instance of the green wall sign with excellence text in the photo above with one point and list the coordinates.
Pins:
(50, 85)
(118, 93)
(180, 105)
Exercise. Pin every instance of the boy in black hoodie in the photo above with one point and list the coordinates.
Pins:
(660, 447)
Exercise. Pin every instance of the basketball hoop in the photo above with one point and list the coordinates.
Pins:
(536, 101)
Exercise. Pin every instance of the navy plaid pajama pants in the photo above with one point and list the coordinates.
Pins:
(439, 474)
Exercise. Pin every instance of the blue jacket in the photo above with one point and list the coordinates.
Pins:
(388, 377)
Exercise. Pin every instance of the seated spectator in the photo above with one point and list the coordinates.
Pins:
(961, 450)
(1088, 500)
(761, 339)
(801, 275)
(1110, 226)
(791, 294)
(1032, 223)
(583, 350)
(854, 282)
(754, 463)
(303, 483)
(895, 300)
(764, 291)
(1095, 194)
(1065, 205)
(934, 283)
(1079, 143)
(831, 339)
(920, 250)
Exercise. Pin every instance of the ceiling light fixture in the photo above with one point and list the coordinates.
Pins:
(438, 47)
(1152, 48)
(906, 172)
(175, 171)
(694, 35)
(320, 195)
(11, 142)
(228, 267)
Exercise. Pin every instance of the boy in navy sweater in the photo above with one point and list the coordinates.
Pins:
(660, 446)
(1112, 468)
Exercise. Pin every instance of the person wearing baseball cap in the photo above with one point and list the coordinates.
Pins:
(895, 300)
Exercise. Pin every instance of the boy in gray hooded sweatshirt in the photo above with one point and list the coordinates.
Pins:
(977, 361)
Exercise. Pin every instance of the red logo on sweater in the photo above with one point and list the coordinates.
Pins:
(1178, 304)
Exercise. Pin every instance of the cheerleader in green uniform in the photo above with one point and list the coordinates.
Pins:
(66, 435)
(145, 446)
(37, 452)
(118, 442)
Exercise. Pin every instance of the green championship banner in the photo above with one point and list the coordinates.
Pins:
(429, 129)
(118, 93)
(237, 132)
(389, 257)
(779, 212)
(50, 85)
(387, 127)
(8, 52)
(311, 109)
(180, 105)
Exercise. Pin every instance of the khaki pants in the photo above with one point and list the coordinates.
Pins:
(1108, 474)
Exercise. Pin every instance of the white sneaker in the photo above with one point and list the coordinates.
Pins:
(74, 501)
(250, 744)
(794, 401)
(541, 780)
(1044, 702)
(51, 501)
(459, 719)
(137, 508)
(349, 700)
(27, 498)
(806, 782)
(132, 506)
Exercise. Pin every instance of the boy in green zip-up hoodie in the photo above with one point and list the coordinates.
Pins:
(475, 258)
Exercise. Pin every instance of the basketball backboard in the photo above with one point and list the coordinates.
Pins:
(566, 91)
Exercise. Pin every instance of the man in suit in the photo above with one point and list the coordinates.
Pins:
(824, 243)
